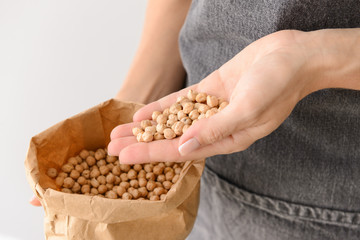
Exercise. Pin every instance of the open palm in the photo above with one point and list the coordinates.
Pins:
(262, 83)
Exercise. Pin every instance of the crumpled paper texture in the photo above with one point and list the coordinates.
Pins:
(76, 216)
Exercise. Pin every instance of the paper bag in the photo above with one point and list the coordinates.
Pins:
(76, 216)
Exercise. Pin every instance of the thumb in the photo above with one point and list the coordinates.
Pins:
(208, 131)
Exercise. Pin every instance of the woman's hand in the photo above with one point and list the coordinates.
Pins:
(263, 83)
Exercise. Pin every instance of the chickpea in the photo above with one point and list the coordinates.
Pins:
(154, 115)
(102, 189)
(175, 178)
(134, 183)
(101, 162)
(125, 167)
(84, 154)
(150, 176)
(74, 174)
(151, 129)
(141, 174)
(92, 153)
(175, 108)
(66, 190)
(139, 137)
(203, 108)
(167, 184)
(161, 119)
(124, 177)
(59, 181)
(161, 178)
(84, 165)
(177, 128)
(73, 161)
(194, 114)
(81, 180)
(94, 183)
(145, 123)
(111, 194)
(158, 136)
(166, 112)
(67, 168)
(110, 178)
(52, 172)
(160, 127)
(154, 198)
(142, 182)
(201, 97)
(86, 174)
(100, 154)
(117, 180)
(158, 169)
(125, 185)
(191, 95)
(170, 122)
(181, 115)
(202, 116)
(76, 188)
(150, 186)
(120, 191)
(136, 131)
(110, 166)
(177, 170)
(162, 196)
(135, 193)
(101, 179)
(109, 185)
(132, 174)
(169, 133)
(212, 101)
(85, 189)
(169, 176)
(188, 107)
(143, 191)
(116, 170)
(68, 182)
(148, 167)
(127, 196)
(104, 170)
(90, 160)
(62, 174)
(94, 191)
(79, 168)
(223, 105)
(186, 121)
(79, 159)
(94, 173)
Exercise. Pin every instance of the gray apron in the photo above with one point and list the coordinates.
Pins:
(303, 180)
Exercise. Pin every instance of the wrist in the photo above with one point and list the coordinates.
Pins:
(333, 56)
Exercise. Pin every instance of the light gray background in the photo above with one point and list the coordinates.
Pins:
(57, 58)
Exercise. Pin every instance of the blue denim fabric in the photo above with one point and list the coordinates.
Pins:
(301, 181)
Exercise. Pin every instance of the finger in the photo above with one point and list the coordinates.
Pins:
(123, 130)
(35, 201)
(161, 104)
(116, 145)
(154, 151)
(210, 130)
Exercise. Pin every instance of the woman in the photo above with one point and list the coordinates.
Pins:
(284, 156)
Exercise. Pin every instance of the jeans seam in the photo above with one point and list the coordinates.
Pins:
(282, 208)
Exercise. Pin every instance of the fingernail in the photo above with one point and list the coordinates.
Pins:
(189, 146)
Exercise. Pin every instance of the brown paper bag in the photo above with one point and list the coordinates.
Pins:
(75, 216)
